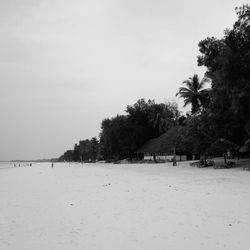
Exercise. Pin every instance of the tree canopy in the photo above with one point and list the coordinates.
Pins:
(228, 66)
(194, 94)
(222, 111)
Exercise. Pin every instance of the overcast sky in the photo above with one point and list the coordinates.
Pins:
(65, 65)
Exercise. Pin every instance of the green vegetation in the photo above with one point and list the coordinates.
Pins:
(220, 113)
(194, 94)
(121, 135)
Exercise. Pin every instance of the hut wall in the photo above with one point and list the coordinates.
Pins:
(148, 157)
(183, 158)
(178, 158)
(165, 157)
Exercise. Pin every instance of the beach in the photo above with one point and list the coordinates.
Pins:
(124, 206)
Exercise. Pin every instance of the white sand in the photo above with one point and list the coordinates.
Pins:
(118, 207)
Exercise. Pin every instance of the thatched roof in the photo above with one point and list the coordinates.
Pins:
(148, 147)
(221, 146)
(245, 147)
(166, 142)
(247, 143)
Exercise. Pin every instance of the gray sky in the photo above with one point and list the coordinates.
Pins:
(65, 65)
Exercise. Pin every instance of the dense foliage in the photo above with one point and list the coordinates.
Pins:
(86, 150)
(228, 66)
(222, 111)
(122, 135)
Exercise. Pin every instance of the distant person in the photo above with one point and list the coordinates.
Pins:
(174, 161)
(52, 165)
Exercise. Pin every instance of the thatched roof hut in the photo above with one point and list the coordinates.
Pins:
(246, 147)
(172, 140)
(221, 146)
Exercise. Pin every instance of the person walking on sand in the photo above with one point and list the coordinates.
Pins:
(174, 161)
(52, 165)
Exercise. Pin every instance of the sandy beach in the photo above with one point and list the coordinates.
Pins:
(107, 206)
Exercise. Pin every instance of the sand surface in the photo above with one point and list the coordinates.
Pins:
(116, 207)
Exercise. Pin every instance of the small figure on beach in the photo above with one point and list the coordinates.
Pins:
(174, 161)
(52, 165)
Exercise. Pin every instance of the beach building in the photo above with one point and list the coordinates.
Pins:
(167, 146)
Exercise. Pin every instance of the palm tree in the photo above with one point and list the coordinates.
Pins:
(194, 93)
(158, 121)
(162, 117)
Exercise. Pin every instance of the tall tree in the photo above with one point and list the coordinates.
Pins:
(121, 135)
(228, 65)
(163, 116)
(194, 94)
(198, 133)
(116, 138)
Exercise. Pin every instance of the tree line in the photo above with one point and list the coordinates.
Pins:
(220, 111)
(121, 135)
